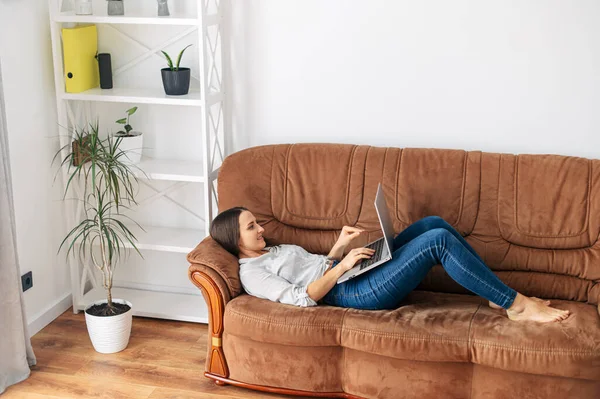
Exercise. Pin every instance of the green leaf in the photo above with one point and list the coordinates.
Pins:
(128, 128)
(122, 121)
(169, 61)
(180, 55)
(131, 111)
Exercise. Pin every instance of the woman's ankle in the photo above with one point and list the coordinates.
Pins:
(518, 304)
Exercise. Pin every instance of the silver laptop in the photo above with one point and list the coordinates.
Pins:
(382, 246)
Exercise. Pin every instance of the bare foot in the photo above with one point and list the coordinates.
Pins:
(544, 301)
(528, 309)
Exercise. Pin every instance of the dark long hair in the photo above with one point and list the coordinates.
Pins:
(225, 229)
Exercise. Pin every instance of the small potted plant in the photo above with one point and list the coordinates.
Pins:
(176, 80)
(79, 146)
(109, 185)
(115, 7)
(131, 141)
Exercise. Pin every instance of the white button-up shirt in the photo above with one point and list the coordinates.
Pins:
(283, 274)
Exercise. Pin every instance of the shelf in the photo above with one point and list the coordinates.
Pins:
(135, 95)
(163, 305)
(190, 171)
(141, 19)
(167, 239)
(160, 176)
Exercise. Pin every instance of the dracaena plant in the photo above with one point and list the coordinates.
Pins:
(170, 62)
(107, 187)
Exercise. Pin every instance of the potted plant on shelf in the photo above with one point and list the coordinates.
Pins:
(108, 187)
(79, 145)
(115, 7)
(131, 140)
(176, 80)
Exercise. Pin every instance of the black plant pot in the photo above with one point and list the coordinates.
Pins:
(176, 83)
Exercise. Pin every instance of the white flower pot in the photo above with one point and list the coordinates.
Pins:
(109, 334)
(132, 146)
(83, 7)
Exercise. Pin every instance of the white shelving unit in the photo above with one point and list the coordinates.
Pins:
(154, 300)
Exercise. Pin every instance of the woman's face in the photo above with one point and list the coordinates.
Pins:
(251, 239)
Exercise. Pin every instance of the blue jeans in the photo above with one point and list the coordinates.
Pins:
(422, 245)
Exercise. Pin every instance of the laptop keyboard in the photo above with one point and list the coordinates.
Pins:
(378, 246)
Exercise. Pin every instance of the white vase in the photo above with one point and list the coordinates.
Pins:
(83, 7)
(109, 334)
(132, 146)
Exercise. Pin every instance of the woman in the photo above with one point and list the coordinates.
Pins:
(289, 274)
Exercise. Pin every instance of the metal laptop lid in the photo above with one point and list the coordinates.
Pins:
(384, 218)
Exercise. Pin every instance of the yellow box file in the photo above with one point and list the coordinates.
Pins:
(80, 45)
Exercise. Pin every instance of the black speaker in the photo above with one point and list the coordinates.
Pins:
(105, 68)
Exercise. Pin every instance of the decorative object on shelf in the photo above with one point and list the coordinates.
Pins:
(109, 185)
(115, 7)
(79, 146)
(131, 140)
(163, 8)
(80, 46)
(83, 7)
(176, 80)
(105, 68)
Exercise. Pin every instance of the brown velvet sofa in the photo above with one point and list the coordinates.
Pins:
(534, 219)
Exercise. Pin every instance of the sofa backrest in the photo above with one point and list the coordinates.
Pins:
(533, 218)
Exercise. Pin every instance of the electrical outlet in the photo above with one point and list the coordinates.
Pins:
(27, 281)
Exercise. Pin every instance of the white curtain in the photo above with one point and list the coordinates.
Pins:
(16, 354)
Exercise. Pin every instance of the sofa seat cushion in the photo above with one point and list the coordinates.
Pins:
(432, 326)
(273, 322)
(570, 348)
(426, 326)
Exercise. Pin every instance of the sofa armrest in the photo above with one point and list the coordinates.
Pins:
(216, 273)
(211, 254)
(211, 286)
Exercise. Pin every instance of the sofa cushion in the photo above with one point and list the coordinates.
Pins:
(301, 193)
(424, 181)
(432, 326)
(273, 322)
(426, 326)
(558, 219)
(570, 348)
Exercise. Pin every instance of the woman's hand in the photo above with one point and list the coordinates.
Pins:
(353, 256)
(347, 235)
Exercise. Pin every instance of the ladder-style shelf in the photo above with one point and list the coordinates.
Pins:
(154, 299)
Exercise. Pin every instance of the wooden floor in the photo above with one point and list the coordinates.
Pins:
(164, 360)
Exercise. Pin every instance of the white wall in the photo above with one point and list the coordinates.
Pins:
(517, 76)
(25, 55)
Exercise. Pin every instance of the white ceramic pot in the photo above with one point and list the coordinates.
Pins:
(109, 334)
(83, 7)
(132, 146)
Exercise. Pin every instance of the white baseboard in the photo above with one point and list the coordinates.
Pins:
(45, 317)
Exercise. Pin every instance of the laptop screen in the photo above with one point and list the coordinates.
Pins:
(384, 217)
